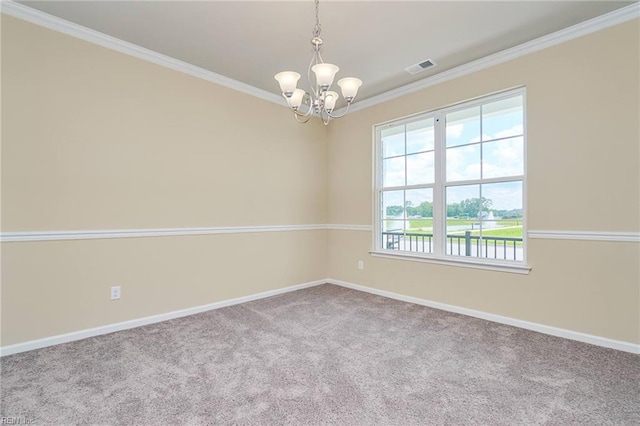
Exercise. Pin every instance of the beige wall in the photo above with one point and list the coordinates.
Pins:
(583, 175)
(54, 287)
(95, 139)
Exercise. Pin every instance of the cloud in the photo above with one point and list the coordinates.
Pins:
(505, 196)
(393, 172)
(454, 130)
(516, 130)
(463, 163)
(503, 158)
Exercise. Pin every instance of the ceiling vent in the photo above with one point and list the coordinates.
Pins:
(415, 69)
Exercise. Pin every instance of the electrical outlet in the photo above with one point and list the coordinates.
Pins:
(115, 292)
(360, 265)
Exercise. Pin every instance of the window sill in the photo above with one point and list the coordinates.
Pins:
(515, 268)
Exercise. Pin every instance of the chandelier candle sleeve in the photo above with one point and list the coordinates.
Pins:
(320, 100)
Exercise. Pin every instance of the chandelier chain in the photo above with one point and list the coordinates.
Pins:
(318, 28)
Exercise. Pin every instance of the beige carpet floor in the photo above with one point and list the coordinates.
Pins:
(324, 355)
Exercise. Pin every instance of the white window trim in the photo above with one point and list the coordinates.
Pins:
(438, 257)
(465, 262)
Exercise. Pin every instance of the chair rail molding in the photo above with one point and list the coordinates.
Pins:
(18, 236)
(9, 237)
(585, 235)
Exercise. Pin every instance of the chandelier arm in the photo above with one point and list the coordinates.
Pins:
(303, 114)
(309, 111)
(324, 112)
(342, 115)
(301, 121)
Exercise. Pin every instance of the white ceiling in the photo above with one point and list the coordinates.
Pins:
(374, 40)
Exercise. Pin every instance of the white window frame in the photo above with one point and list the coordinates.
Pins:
(439, 255)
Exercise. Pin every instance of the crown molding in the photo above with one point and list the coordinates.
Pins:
(55, 23)
(46, 20)
(607, 20)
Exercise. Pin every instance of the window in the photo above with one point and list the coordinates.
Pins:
(450, 183)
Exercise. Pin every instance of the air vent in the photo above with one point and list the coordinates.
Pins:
(415, 69)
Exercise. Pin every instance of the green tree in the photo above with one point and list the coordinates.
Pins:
(453, 210)
(425, 209)
(471, 207)
(411, 211)
(394, 210)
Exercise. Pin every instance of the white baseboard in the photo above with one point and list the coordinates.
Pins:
(91, 332)
(545, 329)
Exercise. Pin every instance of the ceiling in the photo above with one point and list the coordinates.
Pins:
(373, 40)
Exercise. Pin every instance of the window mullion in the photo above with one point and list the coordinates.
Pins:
(406, 179)
(439, 206)
(481, 186)
(377, 214)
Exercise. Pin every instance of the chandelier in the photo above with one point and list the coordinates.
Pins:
(321, 101)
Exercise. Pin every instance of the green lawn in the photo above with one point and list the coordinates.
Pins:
(421, 223)
(509, 222)
(509, 232)
(513, 232)
(514, 229)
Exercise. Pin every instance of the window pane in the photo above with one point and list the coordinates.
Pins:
(502, 119)
(463, 127)
(393, 172)
(419, 226)
(463, 211)
(503, 158)
(420, 168)
(502, 239)
(502, 221)
(393, 141)
(420, 136)
(419, 205)
(463, 163)
(392, 205)
(502, 199)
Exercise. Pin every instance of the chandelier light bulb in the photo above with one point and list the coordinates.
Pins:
(324, 75)
(349, 86)
(288, 81)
